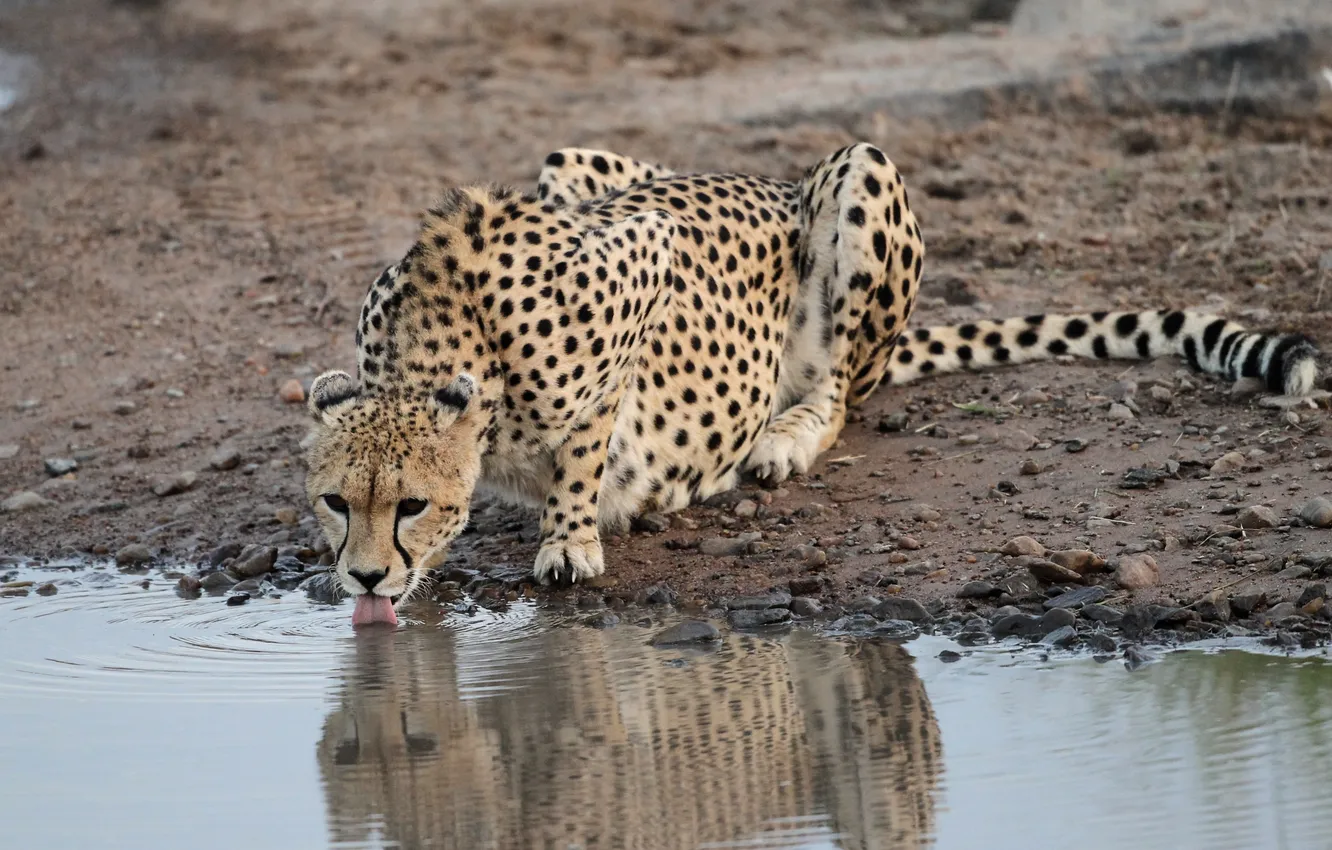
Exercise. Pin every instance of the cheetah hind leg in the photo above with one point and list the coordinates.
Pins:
(792, 441)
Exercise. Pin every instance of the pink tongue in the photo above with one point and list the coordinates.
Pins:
(374, 609)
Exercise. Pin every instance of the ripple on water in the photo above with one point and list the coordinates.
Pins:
(108, 637)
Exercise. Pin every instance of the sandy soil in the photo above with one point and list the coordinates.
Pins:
(195, 196)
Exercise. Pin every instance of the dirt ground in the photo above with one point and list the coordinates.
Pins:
(194, 196)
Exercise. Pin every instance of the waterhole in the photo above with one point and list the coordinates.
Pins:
(134, 718)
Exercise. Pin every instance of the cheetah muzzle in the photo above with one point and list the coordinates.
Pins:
(631, 339)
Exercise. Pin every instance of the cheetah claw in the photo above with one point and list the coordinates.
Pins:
(564, 561)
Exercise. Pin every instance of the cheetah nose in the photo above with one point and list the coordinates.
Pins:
(368, 580)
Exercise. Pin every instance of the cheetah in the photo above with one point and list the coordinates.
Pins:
(630, 339)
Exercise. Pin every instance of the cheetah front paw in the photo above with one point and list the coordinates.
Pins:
(562, 561)
(777, 456)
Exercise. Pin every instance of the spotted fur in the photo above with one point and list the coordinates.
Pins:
(631, 339)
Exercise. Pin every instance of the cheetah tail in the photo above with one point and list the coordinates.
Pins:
(1286, 363)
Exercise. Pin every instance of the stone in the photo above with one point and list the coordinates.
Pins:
(901, 608)
(758, 603)
(893, 423)
(174, 485)
(803, 606)
(1050, 572)
(1019, 585)
(254, 560)
(133, 555)
(1076, 599)
(1281, 610)
(1057, 618)
(225, 458)
(286, 516)
(977, 590)
(292, 392)
(690, 631)
(1101, 643)
(925, 513)
(1062, 637)
(124, 408)
(1294, 572)
(1317, 512)
(60, 465)
(745, 508)
(1119, 413)
(756, 619)
(1023, 546)
(1032, 397)
(1243, 605)
(1214, 607)
(223, 553)
(1312, 593)
(659, 594)
(722, 547)
(1102, 613)
(1229, 463)
(1257, 517)
(805, 586)
(602, 620)
(1019, 625)
(1029, 467)
(1136, 572)
(238, 599)
(1079, 561)
(8, 451)
(24, 500)
(653, 523)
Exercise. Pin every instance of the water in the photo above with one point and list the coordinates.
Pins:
(133, 718)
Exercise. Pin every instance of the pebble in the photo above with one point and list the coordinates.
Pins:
(1078, 560)
(1031, 397)
(948, 656)
(8, 450)
(133, 555)
(651, 522)
(803, 606)
(602, 620)
(292, 392)
(1079, 598)
(1257, 517)
(901, 608)
(977, 590)
(1101, 642)
(805, 586)
(1057, 618)
(1312, 593)
(286, 516)
(659, 594)
(60, 465)
(48, 589)
(225, 458)
(756, 619)
(124, 408)
(1063, 637)
(222, 553)
(1075, 445)
(909, 543)
(1243, 605)
(238, 599)
(1295, 572)
(254, 560)
(1029, 467)
(174, 485)
(1102, 613)
(721, 547)
(1136, 572)
(1023, 546)
(1119, 413)
(1228, 463)
(1021, 625)
(690, 631)
(1281, 610)
(216, 581)
(1317, 512)
(1214, 607)
(925, 513)
(893, 423)
(24, 500)
(746, 508)
(189, 586)
(758, 603)
(1050, 572)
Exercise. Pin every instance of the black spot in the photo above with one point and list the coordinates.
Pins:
(600, 164)
(1212, 335)
(1144, 345)
(872, 185)
(1028, 338)
(1057, 347)
(1075, 329)
(856, 216)
(1099, 348)
(1126, 324)
(1170, 327)
(555, 160)
(968, 331)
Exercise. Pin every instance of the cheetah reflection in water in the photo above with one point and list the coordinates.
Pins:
(577, 738)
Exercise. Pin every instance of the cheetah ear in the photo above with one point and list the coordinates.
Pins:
(455, 399)
(330, 390)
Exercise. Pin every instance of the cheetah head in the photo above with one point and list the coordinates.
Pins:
(390, 479)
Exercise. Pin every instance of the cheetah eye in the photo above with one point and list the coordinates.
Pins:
(411, 507)
(335, 502)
